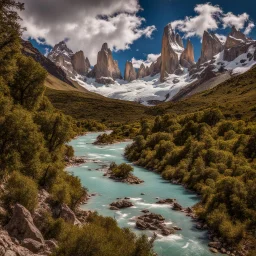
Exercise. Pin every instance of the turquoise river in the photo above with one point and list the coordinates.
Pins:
(188, 242)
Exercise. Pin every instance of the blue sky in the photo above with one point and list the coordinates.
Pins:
(161, 12)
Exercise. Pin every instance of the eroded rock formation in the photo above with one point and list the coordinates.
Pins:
(129, 73)
(106, 66)
(187, 58)
(80, 64)
(169, 56)
(211, 46)
(142, 72)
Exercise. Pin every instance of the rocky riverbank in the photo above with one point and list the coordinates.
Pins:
(23, 234)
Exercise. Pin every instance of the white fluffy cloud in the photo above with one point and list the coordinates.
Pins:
(238, 21)
(211, 17)
(86, 23)
(205, 20)
(249, 28)
(150, 58)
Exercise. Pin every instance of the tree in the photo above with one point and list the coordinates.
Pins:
(56, 127)
(121, 171)
(27, 88)
(22, 190)
(10, 32)
(21, 145)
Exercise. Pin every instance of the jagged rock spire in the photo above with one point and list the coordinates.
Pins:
(80, 64)
(187, 58)
(106, 66)
(142, 72)
(170, 60)
(129, 73)
(211, 46)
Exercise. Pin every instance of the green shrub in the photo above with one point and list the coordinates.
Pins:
(121, 171)
(21, 190)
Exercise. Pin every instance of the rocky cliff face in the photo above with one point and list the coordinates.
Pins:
(235, 38)
(106, 66)
(142, 72)
(211, 46)
(179, 40)
(187, 58)
(72, 64)
(155, 67)
(61, 55)
(50, 67)
(129, 73)
(80, 64)
(169, 55)
(237, 43)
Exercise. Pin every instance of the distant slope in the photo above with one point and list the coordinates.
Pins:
(236, 97)
(87, 105)
(53, 82)
(51, 68)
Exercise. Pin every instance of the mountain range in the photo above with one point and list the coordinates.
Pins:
(173, 76)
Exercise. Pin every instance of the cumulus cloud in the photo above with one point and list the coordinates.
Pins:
(238, 21)
(211, 17)
(87, 24)
(249, 28)
(206, 19)
(150, 58)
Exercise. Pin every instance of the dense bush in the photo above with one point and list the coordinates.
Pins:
(211, 155)
(121, 171)
(101, 236)
(21, 189)
(120, 133)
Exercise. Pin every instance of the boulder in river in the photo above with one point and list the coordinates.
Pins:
(177, 207)
(152, 221)
(122, 204)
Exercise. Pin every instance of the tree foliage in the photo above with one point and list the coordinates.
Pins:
(211, 155)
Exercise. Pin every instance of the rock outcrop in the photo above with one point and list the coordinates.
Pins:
(68, 215)
(152, 221)
(142, 72)
(121, 204)
(211, 46)
(61, 55)
(10, 246)
(51, 67)
(155, 67)
(21, 225)
(169, 55)
(237, 43)
(235, 38)
(80, 64)
(106, 66)
(187, 58)
(129, 73)
(179, 40)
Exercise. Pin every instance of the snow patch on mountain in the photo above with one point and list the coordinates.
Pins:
(146, 91)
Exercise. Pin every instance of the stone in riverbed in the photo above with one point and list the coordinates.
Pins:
(213, 250)
(141, 225)
(122, 204)
(165, 201)
(167, 231)
(177, 207)
(176, 228)
(113, 208)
